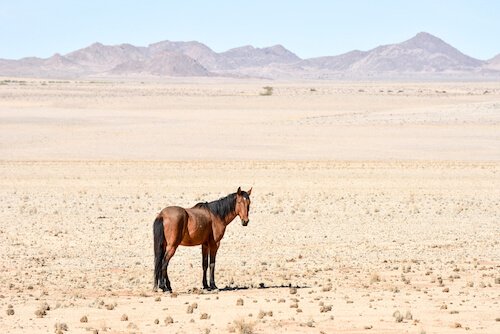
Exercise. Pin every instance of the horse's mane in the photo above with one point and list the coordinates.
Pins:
(221, 207)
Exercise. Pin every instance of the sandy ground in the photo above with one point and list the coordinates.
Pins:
(380, 209)
(231, 121)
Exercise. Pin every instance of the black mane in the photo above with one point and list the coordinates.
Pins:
(223, 206)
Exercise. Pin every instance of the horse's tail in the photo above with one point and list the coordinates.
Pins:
(159, 240)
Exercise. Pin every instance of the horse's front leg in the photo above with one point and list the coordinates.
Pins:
(204, 262)
(213, 254)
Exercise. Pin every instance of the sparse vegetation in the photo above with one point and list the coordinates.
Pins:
(398, 317)
(242, 326)
(268, 91)
(325, 308)
(168, 320)
(375, 278)
(60, 327)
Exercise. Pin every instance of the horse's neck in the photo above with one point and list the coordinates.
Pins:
(219, 228)
(229, 218)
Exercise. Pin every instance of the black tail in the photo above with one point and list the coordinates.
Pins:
(159, 240)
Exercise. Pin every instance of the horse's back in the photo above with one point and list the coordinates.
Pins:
(188, 227)
(174, 214)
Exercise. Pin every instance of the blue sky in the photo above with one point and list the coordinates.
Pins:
(308, 28)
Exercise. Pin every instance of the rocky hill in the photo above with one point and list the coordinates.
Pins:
(422, 56)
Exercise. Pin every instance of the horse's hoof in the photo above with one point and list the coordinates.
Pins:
(165, 289)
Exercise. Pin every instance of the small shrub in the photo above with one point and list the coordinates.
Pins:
(268, 91)
(241, 326)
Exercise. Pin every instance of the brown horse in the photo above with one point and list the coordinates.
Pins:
(204, 224)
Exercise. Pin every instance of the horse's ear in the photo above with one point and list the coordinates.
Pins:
(250, 191)
(239, 191)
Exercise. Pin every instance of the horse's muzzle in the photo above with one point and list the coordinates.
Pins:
(245, 223)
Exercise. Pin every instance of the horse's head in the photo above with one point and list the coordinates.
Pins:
(243, 205)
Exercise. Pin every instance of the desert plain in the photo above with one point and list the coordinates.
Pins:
(375, 205)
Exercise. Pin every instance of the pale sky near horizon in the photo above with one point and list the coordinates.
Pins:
(308, 28)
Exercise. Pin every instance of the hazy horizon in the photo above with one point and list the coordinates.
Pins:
(312, 29)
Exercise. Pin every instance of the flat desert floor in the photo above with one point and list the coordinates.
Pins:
(375, 206)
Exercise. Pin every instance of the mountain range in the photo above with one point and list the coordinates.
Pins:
(423, 56)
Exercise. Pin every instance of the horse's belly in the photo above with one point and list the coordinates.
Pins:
(194, 238)
(190, 242)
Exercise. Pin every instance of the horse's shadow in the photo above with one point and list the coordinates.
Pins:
(261, 286)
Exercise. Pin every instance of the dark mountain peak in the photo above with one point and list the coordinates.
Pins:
(250, 56)
(280, 50)
(425, 36)
(277, 47)
(162, 63)
(203, 55)
(426, 41)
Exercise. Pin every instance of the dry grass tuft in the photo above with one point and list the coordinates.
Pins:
(241, 326)
(375, 278)
(398, 317)
(325, 308)
(40, 313)
(60, 327)
(42, 310)
(110, 306)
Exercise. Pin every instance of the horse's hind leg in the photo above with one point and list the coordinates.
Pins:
(168, 255)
